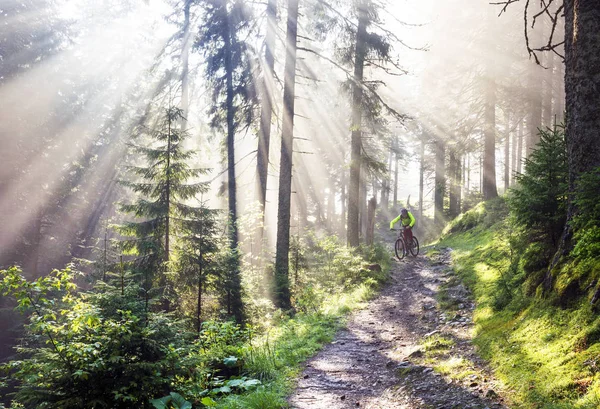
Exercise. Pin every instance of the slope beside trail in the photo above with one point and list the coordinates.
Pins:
(377, 360)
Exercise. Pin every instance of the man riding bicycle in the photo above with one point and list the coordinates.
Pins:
(408, 221)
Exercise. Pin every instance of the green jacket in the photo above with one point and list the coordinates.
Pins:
(407, 221)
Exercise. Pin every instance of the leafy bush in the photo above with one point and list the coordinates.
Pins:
(111, 337)
(130, 354)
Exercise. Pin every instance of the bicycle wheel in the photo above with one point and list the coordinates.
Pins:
(400, 249)
(414, 249)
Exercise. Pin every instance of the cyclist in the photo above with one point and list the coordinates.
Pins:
(408, 221)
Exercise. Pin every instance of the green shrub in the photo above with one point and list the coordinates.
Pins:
(539, 201)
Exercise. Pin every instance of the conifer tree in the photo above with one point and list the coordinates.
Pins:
(162, 183)
(198, 251)
(539, 201)
(229, 71)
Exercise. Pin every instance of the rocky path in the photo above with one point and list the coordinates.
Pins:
(381, 359)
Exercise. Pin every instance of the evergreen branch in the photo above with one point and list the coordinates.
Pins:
(400, 117)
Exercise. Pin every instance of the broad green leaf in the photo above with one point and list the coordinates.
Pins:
(208, 402)
(230, 361)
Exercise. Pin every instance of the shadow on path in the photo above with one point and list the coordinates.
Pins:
(371, 363)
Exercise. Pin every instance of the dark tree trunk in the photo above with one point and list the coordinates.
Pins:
(440, 180)
(264, 134)
(282, 281)
(489, 151)
(234, 287)
(582, 82)
(356, 140)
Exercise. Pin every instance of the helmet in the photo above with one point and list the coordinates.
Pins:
(403, 212)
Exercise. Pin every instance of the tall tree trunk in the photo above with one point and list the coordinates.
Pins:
(282, 281)
(489, 151)
(356, 140)
(168, 194)
(454, 172)
(582, 82)
(370, 234)
(507, 153)
(385, 186)
(548, 93)
(468, 185)
(421, 176)
(264, 134)
(513, 165)
(199, 300)
(185, 65)
(440, 180)
(520, 141)
(396, 160)
(362, 208)
(535, 106)
(343, 199)
(559, 93)
(234, 287)
(331, 205)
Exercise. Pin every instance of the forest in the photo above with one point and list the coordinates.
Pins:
(196, 197)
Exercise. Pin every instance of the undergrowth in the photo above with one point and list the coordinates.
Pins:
(275, 358)
(546, 354)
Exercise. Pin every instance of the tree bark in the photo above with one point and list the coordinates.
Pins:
(369, 239)
(513, 165)
(559, 93)
(282, 281)
(582, 82)
(507, 153)
(234, 288)
(421, 175)
(489, 151)
(264, 134)
(440, 181)
(356, 139)
(395, 180)
(548, 92)
(535, 106)
(454, 191)
(185, 65)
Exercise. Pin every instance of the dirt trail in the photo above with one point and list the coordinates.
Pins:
(376, 362)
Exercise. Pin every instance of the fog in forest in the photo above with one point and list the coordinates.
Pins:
(80, 78)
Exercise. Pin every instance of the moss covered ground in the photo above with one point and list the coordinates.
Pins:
(546, 355)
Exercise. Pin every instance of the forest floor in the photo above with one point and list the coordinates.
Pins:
(402, 351)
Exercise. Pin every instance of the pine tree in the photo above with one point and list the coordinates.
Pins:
(229, 71)
(539, 202)
(163, 186)
(198, 251)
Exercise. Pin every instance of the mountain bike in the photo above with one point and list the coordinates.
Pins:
(402, 248)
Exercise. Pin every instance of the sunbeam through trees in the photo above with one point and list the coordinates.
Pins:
(194, 192)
